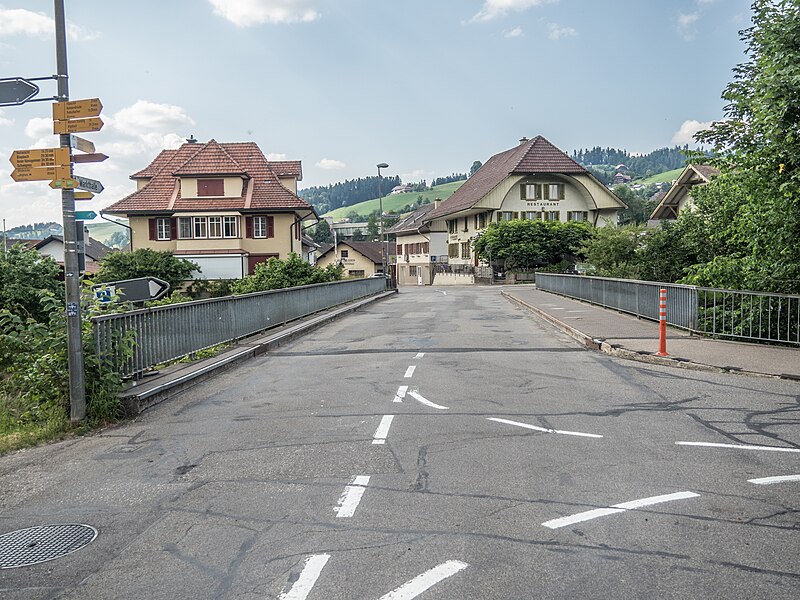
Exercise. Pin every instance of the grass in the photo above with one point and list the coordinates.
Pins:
(16, 434)
(665, 177)
(395, 203)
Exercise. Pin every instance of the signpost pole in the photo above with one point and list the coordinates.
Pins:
(77, 391)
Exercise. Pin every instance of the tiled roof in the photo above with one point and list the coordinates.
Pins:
(532, 156)
(413, 221)
(92, 248)
(370, 250)
(706, 171)
(287, 168)
(262, 191)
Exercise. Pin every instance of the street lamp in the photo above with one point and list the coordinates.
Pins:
(380, 208)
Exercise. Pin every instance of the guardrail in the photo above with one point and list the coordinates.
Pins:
(734, 314)
(166, 333)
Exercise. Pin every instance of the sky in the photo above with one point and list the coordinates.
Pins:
(427, 86)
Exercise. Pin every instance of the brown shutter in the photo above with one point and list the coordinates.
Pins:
(523, 192)
(270, 227)
(173, 229)
(153, 228)
(248, 227)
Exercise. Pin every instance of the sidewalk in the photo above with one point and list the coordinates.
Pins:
(629, 337)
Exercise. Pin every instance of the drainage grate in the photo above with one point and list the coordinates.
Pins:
(35, 545)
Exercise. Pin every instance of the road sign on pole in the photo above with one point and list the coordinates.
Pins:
(78, 125)
(81, 144)
(89, 158)
(132, 290)
(44, 157)
(77, 109)
(16, 90)
(66, 183)
(40, 173)
(90, 185)
(83, 195)
(85, 215)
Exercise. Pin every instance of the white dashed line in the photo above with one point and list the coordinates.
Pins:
(308, 577)
(420, 583)
(419, 355)
(410, 371)
(426, 402)
(617, 508)
(777, 479)
(383, 430)
(401, 393)
(739, 446)
(352, 496)
(543, 429)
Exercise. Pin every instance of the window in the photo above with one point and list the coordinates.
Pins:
(260, 227)
(162, 229)
(345, 253)
(215, 227)
(230, 227)
(210, 187)
(452, 226)
(541, 191)
(481, 221)
(466, 227)
(465, 251)
(200, 228)
(578, 215)
(412, 271)
(452, 250)
(532, 215)
(355, 273)
(507, 215)
(185, 228)
(399, 248)
(554, 191)
(552, 215)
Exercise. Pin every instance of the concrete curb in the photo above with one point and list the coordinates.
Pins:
(135, 400)
(616, 350)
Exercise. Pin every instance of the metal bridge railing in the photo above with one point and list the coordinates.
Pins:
(749, 316)
(166, 333)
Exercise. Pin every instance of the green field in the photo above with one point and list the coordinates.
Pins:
(103, 230)
(666, 176)
(395, 203)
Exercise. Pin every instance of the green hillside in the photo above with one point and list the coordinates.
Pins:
(666, 176)
(395, 203)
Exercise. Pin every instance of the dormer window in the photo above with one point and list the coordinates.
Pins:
(210, 187)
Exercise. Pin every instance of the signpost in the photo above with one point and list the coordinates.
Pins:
(81, 144)
(89, 158)
(16, 90)
(85, 215)
(77, 109)
(77, 125)
(45, 157)
(67, 183)
(84, 195)
(90, 185)
(132, 290)
(39, 173)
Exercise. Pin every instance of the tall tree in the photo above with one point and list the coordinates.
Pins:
(323, 233)
(474, 168)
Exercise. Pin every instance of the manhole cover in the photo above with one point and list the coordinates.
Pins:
(35, 545)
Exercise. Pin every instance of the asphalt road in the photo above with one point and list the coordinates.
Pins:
(441, 444)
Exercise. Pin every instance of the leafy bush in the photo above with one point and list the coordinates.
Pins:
(277, 274)
(24, 276)
(118, 266)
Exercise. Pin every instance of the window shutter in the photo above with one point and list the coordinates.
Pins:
(523, 192)
(270, 227)
(561, 191)
(248, 227)
(153, 226)
(515, 215)
(173, 229)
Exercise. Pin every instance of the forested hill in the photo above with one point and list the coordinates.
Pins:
(604, 161)
(346, 193)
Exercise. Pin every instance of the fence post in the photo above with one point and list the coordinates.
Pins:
(662, 323)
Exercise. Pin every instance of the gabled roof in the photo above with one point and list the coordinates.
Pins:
(529, 157)
(261, 189)
(287, 168)
(412, 222)
(691, 176)
(370, 250)
(95, 250)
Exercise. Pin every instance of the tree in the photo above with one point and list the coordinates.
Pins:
(373, 229)
(278, 274)
(145, 262)
(26, 278)
(474, 168)
(118, 239)
(358, 235)
(323, 233)
(612, 251)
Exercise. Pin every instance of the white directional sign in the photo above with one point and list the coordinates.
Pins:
(90, 185)
(131, 290)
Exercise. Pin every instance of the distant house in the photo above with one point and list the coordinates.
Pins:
(679, 196)
(221, 205)
(53, 246)
(418, 249)
(359, 259)
(400, 189)
(347, 229)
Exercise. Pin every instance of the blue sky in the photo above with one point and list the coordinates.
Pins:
(427, 86)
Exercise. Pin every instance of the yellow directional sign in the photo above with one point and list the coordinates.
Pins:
(65, 183)
(78, 125)
(77, 109)
(40, 173)
(44, 157)
(83, 195)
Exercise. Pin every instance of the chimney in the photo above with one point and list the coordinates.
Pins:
(522, 140)
(436, 202)
(191, 140)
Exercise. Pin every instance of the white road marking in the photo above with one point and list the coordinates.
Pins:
(308, 577)
(776, 479)
(617, 508)
(410, 371)
(427, 402)
(740, 446)
(383, 430)
(352, 496)
(543, 429)
(419, 355)
(401, 393)
(420, 583)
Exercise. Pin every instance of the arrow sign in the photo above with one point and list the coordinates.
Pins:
(83, 195)
(89, 158)
(65, 183)
(90, 185)
(77, 109)
(85, 215)
(132, 290)
(45, 157)
(40, 173)
(78, 125)
(15, 90)
(81, 144)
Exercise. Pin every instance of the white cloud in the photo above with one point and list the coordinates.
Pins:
(247, 13)
(145, 117)
(417, 175)
(38, 127)
(685, 135)
(329, 164)
(686, 25)
(18, 21)
(493, 9)
(276, 156)
(4, 120)
(512, 33)
(556, 31)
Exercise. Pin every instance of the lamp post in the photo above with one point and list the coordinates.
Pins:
(380, 225)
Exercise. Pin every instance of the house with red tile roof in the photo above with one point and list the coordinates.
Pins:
(534, 180)
(679, 196)
(221, 205)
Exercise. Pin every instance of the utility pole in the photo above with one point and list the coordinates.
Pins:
(77, 388)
